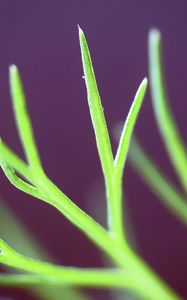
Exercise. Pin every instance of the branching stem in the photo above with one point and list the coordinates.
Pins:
(134, 273)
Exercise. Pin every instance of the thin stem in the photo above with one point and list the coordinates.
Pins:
(157, 181)
(75, 215)
(100, 279)
(148, 284)
(115, 196)
(165, 119)
(126, 134)
(23, 122)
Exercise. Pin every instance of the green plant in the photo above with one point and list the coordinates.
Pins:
(132, 272)
(162, 186)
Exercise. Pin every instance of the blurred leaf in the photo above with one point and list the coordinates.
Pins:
(165, 120)
(157, 181)
(15, 234)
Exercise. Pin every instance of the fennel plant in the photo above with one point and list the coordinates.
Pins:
(131, 272)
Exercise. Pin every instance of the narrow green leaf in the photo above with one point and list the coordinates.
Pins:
(23, 120)
(96, 110)
(119, 162)
(128, 127)
(158, 182)
(164, 117)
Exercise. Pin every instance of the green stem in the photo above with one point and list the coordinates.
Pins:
(169, 131)
(22, 119)
(115, 198)
(166, 191)
(148, 284)
(75, 215)
(101, 279)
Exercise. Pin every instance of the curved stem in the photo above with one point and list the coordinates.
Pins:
(169, 131)
(22, 118)
(99, 279)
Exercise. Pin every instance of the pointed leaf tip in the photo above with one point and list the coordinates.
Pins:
(144, 82)
(128, 127)
(13, 69)
(154, 34)
(80, 29)
(155, 31)
(143, 86)
(81, 33)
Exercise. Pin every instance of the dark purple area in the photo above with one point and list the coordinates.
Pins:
(41, 38)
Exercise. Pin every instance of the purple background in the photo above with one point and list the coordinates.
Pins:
(41, 38)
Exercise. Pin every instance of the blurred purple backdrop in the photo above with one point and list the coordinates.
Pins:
(41, 38)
